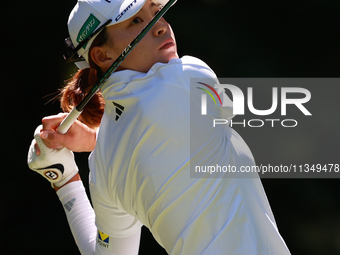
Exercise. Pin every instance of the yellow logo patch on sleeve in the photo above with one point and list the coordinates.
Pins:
(103, 240)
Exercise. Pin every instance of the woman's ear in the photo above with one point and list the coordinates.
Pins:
(101, 56)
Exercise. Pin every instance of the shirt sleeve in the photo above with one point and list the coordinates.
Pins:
(81, 219)
(110, 219)
(202, 74)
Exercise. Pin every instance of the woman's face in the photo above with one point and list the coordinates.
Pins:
(158, 45)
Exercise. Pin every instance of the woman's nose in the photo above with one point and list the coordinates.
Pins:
(160, 27)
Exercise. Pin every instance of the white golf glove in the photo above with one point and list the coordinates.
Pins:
(56, 165)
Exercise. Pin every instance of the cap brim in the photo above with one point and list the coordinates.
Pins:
(127, 10)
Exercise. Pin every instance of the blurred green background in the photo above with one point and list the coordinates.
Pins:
(236, 39)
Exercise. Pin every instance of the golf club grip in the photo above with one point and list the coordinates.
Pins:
(68, 121)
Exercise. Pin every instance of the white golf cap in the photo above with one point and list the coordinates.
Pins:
(89, 15)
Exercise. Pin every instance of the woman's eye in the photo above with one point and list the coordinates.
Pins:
(136, 21)
(160, 7)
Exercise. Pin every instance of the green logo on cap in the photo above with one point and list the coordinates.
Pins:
(89, 26)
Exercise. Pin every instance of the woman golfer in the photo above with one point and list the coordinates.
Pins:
(151, 147)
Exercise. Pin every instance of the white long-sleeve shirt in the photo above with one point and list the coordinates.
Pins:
(141, 169)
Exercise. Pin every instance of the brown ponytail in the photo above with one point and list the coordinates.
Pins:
(80, 84)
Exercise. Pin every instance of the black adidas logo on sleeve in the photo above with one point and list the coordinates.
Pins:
(119, 110)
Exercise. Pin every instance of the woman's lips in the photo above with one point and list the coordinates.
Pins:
(168, 43)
